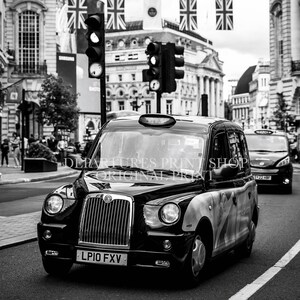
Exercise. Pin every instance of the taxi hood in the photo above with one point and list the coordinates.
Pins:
(141, 189)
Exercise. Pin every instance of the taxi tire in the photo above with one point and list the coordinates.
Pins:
(195, 262)
(56, 267)
(245, 249)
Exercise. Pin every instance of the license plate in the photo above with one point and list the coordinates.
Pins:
(262, 177)
(102, 258)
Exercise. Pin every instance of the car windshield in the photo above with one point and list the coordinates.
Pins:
(150, 149)
(269, 143)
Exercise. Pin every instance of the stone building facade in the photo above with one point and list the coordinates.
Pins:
(28, 43)
(285, 55)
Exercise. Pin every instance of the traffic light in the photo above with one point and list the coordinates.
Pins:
(154, 73)
(96, 44)
(170, 62)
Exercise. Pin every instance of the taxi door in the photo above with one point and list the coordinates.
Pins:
(223, 193)
(243, 185)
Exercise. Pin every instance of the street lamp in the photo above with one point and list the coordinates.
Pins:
(135, 104)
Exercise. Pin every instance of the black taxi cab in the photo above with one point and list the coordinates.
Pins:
(155, 191)
(270, 158)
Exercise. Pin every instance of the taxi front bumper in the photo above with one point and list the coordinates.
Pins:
(152, 254)
(274, 176)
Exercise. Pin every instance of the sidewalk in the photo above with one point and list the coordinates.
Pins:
(9, 175)
(22, 228)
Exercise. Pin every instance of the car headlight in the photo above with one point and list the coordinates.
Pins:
(53, 204)
(169, 213)
(283, 162)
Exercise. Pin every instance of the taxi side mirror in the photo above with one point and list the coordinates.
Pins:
(225, 171)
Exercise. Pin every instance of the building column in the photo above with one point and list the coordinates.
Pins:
(212, 98)
(218, 101)
(207, 91)
(201, 91)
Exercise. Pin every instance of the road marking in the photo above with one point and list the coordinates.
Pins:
(250, 289)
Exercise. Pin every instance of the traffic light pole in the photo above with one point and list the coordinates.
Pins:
(158, 102)
(103, 78)
(103, 98)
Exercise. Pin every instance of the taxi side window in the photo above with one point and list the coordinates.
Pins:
(237, 150)
(246, 158)
(220, 153)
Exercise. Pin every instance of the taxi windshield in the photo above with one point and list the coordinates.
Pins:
(150, 149)
(269, 143)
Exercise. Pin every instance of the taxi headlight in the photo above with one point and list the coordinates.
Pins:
(283, 162)
(53, 204)
(169, 213)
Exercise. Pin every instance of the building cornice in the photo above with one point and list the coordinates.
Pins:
(16, 4)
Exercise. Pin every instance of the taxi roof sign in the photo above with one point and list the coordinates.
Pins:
(263, 131)
(157, 120)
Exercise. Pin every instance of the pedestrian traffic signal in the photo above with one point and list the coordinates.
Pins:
(154, 73)
(96, 44)
(170, 62)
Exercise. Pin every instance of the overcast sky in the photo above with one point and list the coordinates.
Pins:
(239, 48)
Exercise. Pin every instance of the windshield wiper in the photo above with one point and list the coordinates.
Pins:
(177, 173)
(260, 150)
(130, 168)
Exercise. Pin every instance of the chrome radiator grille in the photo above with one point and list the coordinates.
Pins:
(106, 223)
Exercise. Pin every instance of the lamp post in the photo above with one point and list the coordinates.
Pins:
(135, 104)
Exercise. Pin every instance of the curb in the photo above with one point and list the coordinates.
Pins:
(24, 180)
(14, 241)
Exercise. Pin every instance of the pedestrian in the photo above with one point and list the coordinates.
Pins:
(52, 143)
(62, 146)
(15, 147)
(43, 140)
(4, 151)
(31, 140)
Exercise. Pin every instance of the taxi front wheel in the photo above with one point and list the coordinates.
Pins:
(195, 262)
(56, 267)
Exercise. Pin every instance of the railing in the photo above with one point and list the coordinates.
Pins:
(30, 69)
(296, 66)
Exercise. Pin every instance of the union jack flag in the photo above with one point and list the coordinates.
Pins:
(77, 13)
(115, 14)
(224, 14)
(188, 15)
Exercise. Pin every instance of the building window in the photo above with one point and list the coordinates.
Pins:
(119, 57)
(107, 78)
(108, 106)
(121, 105)
(169, 107)
(29, 42)
(133, 56)
(148, 106)
(133, 77)
(120, 78)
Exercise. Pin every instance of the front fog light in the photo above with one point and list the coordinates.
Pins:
(286, 181)
(167, 245)
(47, 235)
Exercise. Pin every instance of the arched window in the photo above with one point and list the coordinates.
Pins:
(29, 26)
(29, 41)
